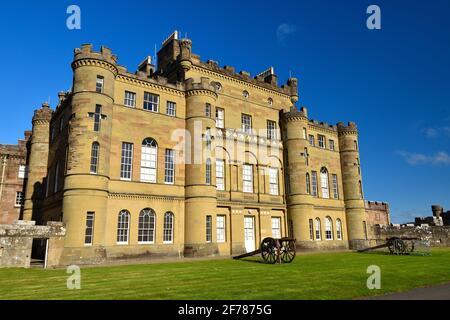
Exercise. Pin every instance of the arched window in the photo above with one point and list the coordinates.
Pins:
(208, 171)
(146, 230)
(324, 183)
(328, 228)
(149, 156)
(308, 184)
(339, 229)
(123, 227)
(318, 229)
(56, 178)
(95, 150)
(168, 228)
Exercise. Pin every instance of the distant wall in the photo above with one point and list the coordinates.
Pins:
(439, 236)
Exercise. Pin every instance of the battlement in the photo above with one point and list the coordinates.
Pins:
(350, 128)
(204, 84)
(323, 125)
(295, 114)
(86, 52)
(178, 52)
(43, 114)
(376, 205)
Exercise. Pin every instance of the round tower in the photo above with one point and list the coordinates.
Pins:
(352, 183)
(37, 163)
(92, 102)
(200, 192)
(300, 207)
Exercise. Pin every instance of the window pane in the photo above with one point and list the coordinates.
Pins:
(151, 102)
(169, 168)
(220, 174)
(126, 161)
(247, 177)
(220, 226)
(171, 108)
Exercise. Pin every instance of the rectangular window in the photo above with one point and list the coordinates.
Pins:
(220, 174)
(130, 99)
(97, 117)
(314, 183)
(356, 144)
(94, 157)
(247, 178)
(321, 140)
(169, 168)
(335, 187)
(208, 110)
(271, 130)
(99, 84)
(22, 172)
(311, 140)
(331, 143)
(19, 199)
(304, 133)
(276, 228)
(273, 181)
(151, 102)
(220, 227)
(220, 115)
(171, 109)
(126, 165)
(208, 228)
(311, 230)
(89, 231)
(208, 171)
(246, 123)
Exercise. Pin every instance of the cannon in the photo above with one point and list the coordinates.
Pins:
(395, 245)
(274, 250)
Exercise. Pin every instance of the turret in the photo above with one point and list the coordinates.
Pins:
(300, 208)
(352, 183)
(200, 193)
(90, 128)
(37, 163)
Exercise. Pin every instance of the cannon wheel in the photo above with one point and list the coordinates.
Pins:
(287, 250)
(269, 250)
(396, 246)
(409, 246)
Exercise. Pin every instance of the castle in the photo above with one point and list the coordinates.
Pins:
(189, 159)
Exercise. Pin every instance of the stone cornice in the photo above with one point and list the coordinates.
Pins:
(137, 196)
(198, 92)
(96, 63)
(148, 84)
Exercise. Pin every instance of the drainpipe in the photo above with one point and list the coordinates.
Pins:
(4, 161)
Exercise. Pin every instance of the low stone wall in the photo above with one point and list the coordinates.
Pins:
(16, 241)
(439, 236)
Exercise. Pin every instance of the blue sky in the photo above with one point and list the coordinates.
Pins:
(394, 82)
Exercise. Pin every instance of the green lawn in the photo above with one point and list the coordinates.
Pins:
(310, 276)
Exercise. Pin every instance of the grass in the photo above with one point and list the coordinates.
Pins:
(310, 276)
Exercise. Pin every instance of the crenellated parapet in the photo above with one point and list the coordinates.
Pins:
(295, 114)
(42, 115)
(349, 129)
(85, 56)
(204, 87)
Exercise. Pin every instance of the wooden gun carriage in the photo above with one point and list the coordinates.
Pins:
(274, 250)
(395, 245)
